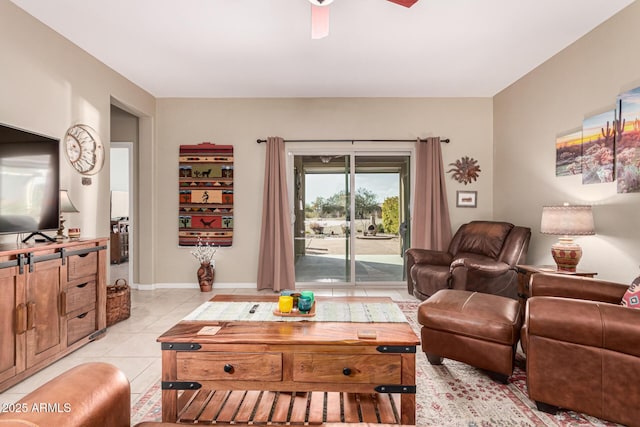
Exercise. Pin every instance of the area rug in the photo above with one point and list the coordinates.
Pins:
(452, 394)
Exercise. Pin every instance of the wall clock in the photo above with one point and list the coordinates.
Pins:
(83, 149)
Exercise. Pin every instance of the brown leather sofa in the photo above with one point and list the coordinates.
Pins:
(89, 395)
(582, 348)
(481, 257)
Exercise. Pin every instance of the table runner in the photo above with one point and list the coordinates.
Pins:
(326, 311)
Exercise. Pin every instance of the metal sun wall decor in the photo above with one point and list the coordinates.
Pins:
(609, 146)
(206, 195)
(465, 170)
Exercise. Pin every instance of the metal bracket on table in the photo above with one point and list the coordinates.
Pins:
(396, 348)
(180, 346)
(402, 389)
(180, 385)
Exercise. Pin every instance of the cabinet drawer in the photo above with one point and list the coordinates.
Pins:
(229, 366)
(80, 326)
(79, 296)
(348, 368)
(84, 265)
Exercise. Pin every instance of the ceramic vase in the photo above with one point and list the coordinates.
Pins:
(205, 276)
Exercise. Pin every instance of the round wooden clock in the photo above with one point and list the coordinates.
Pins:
(83, 149)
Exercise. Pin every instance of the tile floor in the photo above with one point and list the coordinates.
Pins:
(131, 344)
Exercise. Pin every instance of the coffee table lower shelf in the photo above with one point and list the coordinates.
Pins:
(285, 408)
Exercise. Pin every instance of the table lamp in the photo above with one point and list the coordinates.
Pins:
(66, 206)
(567, 221)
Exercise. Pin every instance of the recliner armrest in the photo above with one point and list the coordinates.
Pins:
(584, 288)
(482, 267)
(589, 323)
(428, 256)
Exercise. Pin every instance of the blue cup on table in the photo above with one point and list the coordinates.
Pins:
(304, 303)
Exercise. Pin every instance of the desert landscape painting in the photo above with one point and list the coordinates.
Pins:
(598, 148)
(628, 142)
(569, 154)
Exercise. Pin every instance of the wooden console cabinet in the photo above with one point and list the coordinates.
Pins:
(52, 301)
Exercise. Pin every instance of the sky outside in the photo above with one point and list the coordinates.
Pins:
(384, 185)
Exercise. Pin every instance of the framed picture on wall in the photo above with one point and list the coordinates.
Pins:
(466, 199)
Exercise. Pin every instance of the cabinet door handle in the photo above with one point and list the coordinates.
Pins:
(82, 285)
(63, 303)
(31, 315)
(346, 371)
(21, 319)
(228, 368)
(83, 315)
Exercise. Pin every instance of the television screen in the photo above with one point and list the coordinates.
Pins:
(29, 181)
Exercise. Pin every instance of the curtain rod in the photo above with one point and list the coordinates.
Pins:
(446, 141)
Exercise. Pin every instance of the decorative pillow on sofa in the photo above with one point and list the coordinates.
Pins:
(631, 298)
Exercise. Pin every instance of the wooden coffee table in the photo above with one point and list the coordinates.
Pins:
(289, 372)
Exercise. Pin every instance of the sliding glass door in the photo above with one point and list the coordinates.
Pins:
(321, 230)
(381, 206)
(351, 213)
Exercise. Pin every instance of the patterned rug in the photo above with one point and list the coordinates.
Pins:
(452, 394)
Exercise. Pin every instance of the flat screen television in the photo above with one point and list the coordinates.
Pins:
(29, 182)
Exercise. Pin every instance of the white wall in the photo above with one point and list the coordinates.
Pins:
(239, 122)
(46, 85)
(583, 79)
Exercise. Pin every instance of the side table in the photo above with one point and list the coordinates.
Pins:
(525, 272)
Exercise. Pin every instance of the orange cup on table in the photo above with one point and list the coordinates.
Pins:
(285, 304)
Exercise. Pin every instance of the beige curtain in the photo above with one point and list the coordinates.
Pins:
(430, 222)
(275, 265)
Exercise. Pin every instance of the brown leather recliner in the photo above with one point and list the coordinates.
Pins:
(481, 257)
(582, 348)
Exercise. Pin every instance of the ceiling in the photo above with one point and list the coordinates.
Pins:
(375, 48)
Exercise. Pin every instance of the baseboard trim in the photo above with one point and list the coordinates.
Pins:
(154, 286)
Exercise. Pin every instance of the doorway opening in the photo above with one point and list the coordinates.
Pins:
(351, 216)
(121, 215)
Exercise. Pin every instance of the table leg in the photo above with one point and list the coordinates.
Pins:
(408, 400)
(169, 397)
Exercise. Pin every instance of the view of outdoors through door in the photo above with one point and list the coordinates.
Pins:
(350, 236)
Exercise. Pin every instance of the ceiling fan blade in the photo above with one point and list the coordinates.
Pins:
(405, 3)
(319, 22)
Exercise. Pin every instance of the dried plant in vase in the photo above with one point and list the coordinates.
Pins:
(204, 254)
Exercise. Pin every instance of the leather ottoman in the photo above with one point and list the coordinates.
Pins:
(479, 329)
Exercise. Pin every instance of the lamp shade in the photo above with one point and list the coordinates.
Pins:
(66, 205)
(567, 220)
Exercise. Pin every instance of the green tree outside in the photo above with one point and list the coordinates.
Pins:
(391, 215)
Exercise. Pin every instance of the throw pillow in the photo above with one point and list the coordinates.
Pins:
(631, 298)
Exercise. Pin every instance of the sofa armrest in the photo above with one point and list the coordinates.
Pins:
(584, 288)
(93, 394)
(589, 323)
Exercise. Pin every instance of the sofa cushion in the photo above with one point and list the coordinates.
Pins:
(484, 238)
(631, 298)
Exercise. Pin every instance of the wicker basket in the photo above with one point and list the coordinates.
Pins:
(118, 302)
